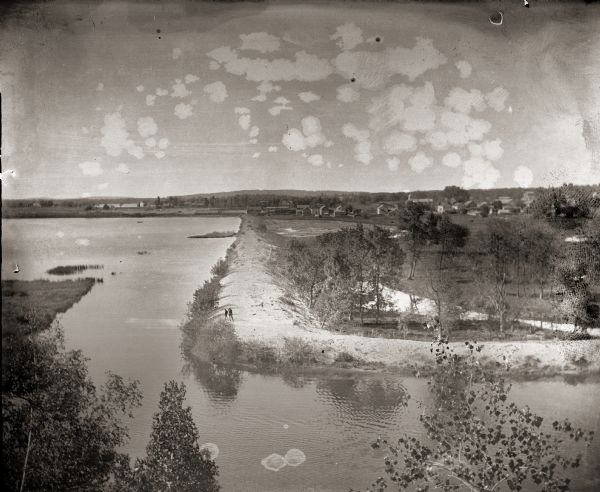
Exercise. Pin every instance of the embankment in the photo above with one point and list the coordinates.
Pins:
(269, 318)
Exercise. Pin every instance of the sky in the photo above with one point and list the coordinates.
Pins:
(171, 98)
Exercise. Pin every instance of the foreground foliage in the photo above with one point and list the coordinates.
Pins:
(58, 432)
(174, 460)
(477, 439)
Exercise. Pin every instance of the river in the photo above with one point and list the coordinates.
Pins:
(129, 325)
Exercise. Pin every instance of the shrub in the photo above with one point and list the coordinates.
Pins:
(345, 357)
(219, 269)
(298, 352)
(217, 341)
(260, 355)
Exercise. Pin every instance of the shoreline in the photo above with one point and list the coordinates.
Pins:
(268, 314)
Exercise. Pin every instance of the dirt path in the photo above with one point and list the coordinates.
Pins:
(265, 312)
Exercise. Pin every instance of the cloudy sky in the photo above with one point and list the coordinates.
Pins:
(169, 98)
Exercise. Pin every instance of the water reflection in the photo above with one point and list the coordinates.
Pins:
(221, 383)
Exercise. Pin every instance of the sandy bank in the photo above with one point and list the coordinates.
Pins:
(266, 311)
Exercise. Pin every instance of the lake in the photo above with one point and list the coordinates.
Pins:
(129, 325)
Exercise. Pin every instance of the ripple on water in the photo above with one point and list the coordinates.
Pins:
(274, 462)
(294, 457)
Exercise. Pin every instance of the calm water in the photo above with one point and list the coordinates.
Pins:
(129, 325)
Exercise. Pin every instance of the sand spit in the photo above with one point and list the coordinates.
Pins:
(265, 311)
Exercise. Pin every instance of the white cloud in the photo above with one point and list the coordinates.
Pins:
(183, 111)
(479, 173)
(310, 136)
(371, 69)
(100, 86)
(362, 149)
(412, 108)
(191, 78)
(492, 149)
(140, 88)
(254, 131)
(123, 168)
(150, 142)
(497, 98)
(293, 139)
(308, 97)
(82, 241)
(523, 176)
(452, 159)
(463, 128)
(347, 94)
(159, 154)
(311, 127)
(217, 92)
(241, 110)
(315, 160)
(91, 168)
(282, 100)
(260, 41)
(396, 143)
(276, 110)
(102, 186)
(437, 139)
(464, 68)
(180, 90)
(176, 53)
(115, 137)
(265, 88)
(272, 148)
(213, 65)
(419, 162)
(256, 155)
(305, 67)
(147, 126)
(253, 140)
(163, 143)
(393, 163)
(150, 99)
(349, 36)
(328, 143)
(244, 121)
(463, 101)
(162, 92)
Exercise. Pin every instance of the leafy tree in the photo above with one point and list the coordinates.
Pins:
(157, 202)
(174, 460)
(497, 205)
(567, 202)
(455, 193)
(414, 219)
(492, 262)
(477, 439)
(385, 263)
(58, 432)
(306, 268)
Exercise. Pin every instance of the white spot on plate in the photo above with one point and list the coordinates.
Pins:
(60, 234)
(285, 426)
(212, 448)
(82, 241)
(274, 462)
(294, 457)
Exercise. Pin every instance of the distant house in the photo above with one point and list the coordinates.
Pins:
(320, 210)
(528, 198)
(445, 207)
(470, 205)
(303, 210)
(338, 210)
(505, 200)
(426, 202)
(507, 211)
(475, 213)
(386, 208)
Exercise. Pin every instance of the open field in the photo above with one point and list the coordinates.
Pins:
(48, 298)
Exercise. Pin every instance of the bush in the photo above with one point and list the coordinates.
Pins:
(217, 341)
(260, 355)
(298, 352)
(345, 357)
(219, 269)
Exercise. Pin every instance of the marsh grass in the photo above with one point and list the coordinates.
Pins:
(72, 269)
(47, 298)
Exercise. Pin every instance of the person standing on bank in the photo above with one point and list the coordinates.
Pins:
(230, 314)
(226, 314)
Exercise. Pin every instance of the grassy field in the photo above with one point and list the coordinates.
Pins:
(47, 298)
